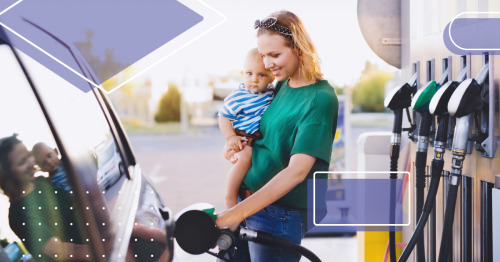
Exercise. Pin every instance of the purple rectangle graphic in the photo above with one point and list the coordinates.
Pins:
(350, 204)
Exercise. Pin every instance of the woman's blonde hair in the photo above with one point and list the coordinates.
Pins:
(300, 42)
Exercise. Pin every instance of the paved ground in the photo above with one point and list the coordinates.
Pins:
(189, 168)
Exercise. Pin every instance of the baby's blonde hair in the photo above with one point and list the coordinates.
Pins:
(253, 53)
(300, 42)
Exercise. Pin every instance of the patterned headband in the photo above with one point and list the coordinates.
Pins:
(270, 23)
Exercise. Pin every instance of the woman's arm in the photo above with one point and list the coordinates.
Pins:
(277, 187)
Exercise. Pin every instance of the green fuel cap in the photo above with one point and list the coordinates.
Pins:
(205, 207)
(421, 99)
(211, 212)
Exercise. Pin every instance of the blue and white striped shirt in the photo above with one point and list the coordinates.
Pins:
(59, 179)
(245, 108)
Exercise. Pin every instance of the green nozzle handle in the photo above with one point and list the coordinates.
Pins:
(422, 98)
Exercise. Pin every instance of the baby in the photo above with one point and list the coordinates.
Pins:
(46, 158)
(240, 116)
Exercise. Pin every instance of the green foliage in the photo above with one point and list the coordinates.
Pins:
(368, 93)
(169, 107)
(340, 90)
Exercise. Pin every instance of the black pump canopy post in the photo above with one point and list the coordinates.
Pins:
(397, 100)
(464, 101)
(438, 106)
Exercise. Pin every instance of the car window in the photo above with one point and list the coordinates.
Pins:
(80, 122)
(101, 178)
(38, 202)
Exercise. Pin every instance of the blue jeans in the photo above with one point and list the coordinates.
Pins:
(279, 221)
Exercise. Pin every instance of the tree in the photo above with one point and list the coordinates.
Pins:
(105, 70)
(368, 93)
(169, 106)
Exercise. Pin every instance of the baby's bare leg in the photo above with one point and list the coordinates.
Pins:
(236, 175)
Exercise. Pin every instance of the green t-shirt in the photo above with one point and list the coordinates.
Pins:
(299, 120)
(35, 219)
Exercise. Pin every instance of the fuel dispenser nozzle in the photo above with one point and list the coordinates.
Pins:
(437, 106)
(397, 100)
(420, 104)
(463, 102)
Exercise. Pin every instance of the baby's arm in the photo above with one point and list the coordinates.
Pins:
(232, 140)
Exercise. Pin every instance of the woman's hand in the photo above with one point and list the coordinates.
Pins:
(227, 219)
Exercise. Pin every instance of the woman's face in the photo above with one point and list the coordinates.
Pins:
(22, 163)
(278, 57)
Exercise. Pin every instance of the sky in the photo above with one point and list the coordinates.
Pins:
(332, 25)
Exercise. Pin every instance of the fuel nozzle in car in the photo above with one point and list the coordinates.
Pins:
(398, 100)
(465, 101)
(196, 232)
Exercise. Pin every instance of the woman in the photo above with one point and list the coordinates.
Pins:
(298, 130)
(41, 215)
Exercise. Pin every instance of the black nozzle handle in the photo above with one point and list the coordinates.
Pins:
(398, 121)
(437, 168)
(272, 240)
(442, 129)
(449, 216)
(424, 128)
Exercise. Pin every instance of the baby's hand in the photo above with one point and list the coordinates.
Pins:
(230, 154)
(235, 144)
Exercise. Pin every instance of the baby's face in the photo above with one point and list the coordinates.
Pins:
(46, 158)
(255, 76)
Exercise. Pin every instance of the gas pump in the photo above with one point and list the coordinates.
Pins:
(420, 104)
(465, 101)
(438, 106)
(196, 233)
(397, 100)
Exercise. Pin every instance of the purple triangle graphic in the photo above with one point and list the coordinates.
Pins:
(110, 35)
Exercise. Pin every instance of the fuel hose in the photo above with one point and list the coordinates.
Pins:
(394, 154)
(420, 166)
(275, 241)
(436, 170)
